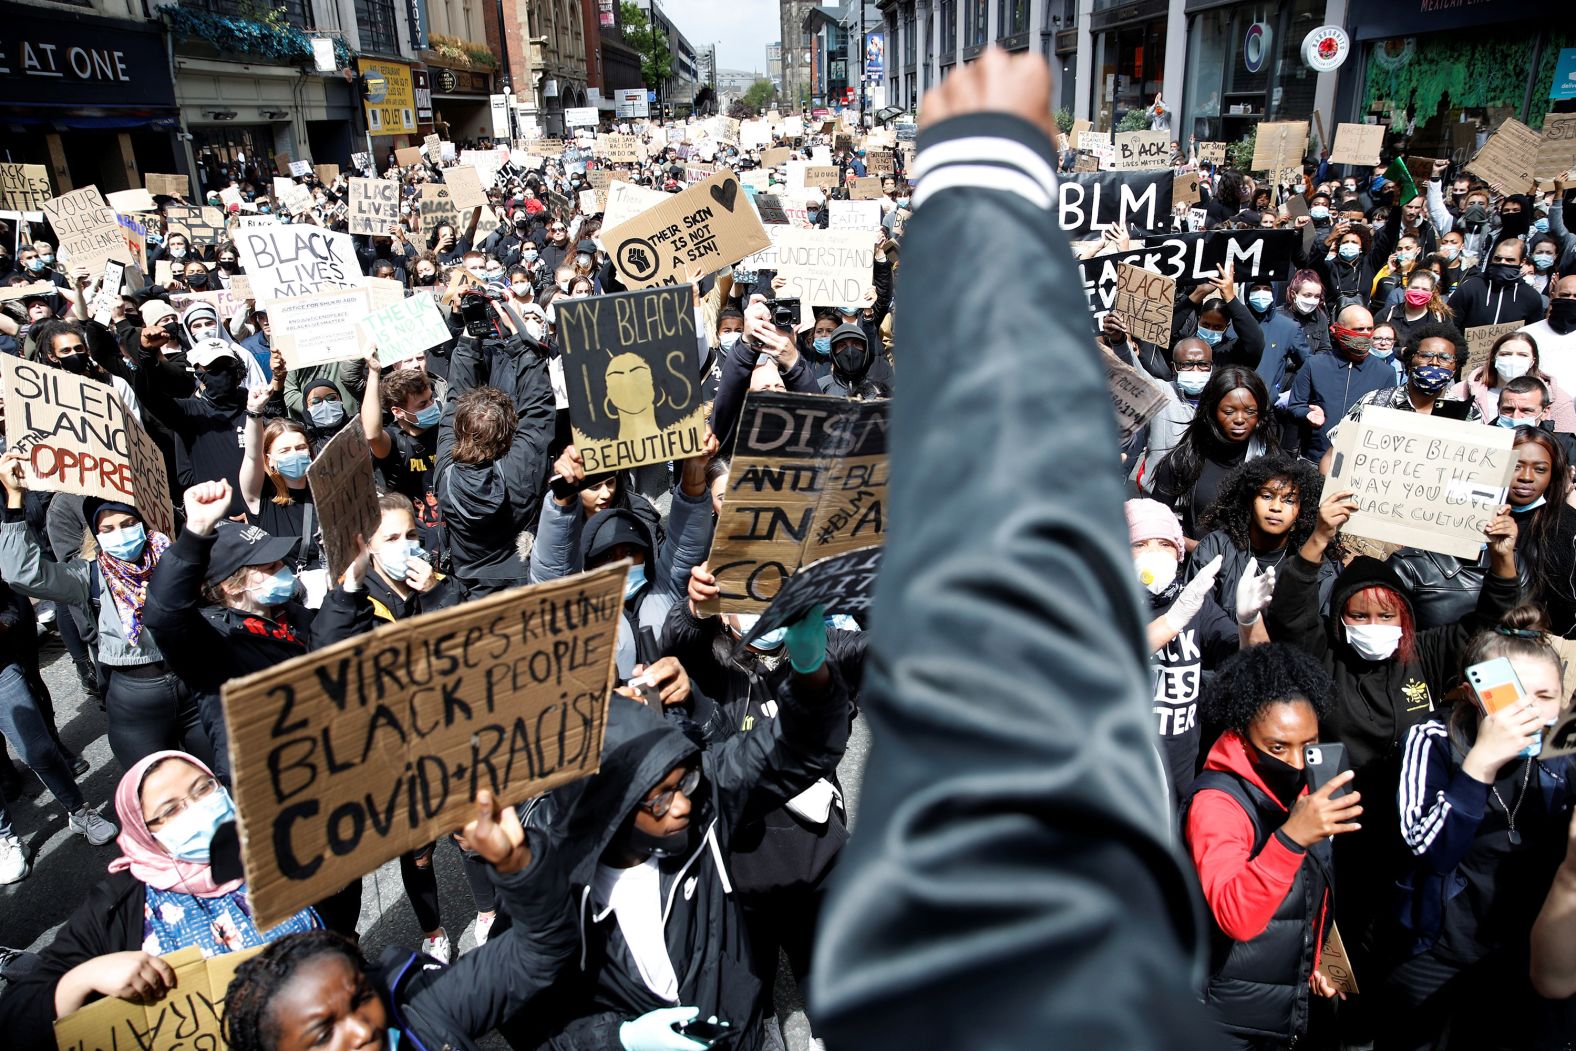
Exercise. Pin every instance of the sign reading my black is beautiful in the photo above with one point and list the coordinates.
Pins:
(629, 370)
(1190, 258)
(353, 754)
(808, 480)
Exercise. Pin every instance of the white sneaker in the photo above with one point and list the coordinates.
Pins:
(484, 925)
(14, 864)
(437, 946)
(88, 822)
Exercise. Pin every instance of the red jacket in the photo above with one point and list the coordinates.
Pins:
(1243, 892)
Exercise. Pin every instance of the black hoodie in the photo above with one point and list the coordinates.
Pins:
(744, 777)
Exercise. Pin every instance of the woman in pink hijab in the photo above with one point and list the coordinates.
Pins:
(160, 896)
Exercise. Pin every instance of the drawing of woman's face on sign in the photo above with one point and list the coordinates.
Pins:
(632, 399)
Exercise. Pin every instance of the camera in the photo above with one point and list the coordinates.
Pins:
(476, 313)
(785, 312)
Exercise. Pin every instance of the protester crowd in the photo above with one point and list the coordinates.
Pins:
(662, 890)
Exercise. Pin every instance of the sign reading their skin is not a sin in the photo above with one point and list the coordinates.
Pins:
(700, 231)
(629, 372)
(808, 480)
(348, 756)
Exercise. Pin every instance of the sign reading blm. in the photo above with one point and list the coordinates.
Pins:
(351, 755)
(808, 480)
(629, 370)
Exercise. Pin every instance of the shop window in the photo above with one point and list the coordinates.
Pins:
(1012, 16)
(949, 28)
(909, 50)
(1245, 66)
(379, 31)
(1129, 67)
(976, 23)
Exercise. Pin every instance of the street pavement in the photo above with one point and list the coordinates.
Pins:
(66, 866)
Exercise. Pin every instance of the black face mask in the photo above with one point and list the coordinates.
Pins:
(1562, 315)
(1514, 224)
(1502, 273)
(227, 265)
(674, 845)
(197, 280)
(77, 362)
(222, 385)
(852, 361)
(1475, 215)
(426, 279)
(1284, 781)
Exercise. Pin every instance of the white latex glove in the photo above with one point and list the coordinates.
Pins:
(1254, 591)
(1187, 605)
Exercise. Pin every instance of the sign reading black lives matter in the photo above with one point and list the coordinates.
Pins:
(707, 227)
(843, 583)
(809, 480)
(349, 756)
(1190, 258)
(629, 372)
(1422, 481)
(295, 259)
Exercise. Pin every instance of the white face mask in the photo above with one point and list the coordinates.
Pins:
(1510, 368)
(1307, 304)
(1156, 570)
(1374, 642)
(728, 339)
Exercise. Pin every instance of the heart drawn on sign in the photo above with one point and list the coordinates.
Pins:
(725, 193)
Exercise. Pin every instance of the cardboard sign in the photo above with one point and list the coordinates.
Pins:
(1212, 153)
(880, 162)
(289, 260)
(1481, 340)
(1507, 159)
(1280, 145)
(1184, 189)
(70, 429)
(625, 200)
(150, 479)
(1334, 963)
(32, 288)
(1141, 150)
(344, 493)
(1357, 144)
(587, 202)
(825, 267)
(629, 372)
(853, 215)
(318, 328)
(1422, 481)
(24, 187)
(203, 225)
(351, 755)
(1133, 399)
(465, 188)
(1144, 299)
(775, 157)
(293, 196)
(300, 169)
(1557, 147)
(88, 230)
(821, 176)
(374, 206)
(327, 174)
(408, 156)
(843, 584)
(700, 231)
(438, 208)
(620, 149)
(770, 208)
(866, 189)
(186, 1018)
(808, 480)
(137, 200)
(404, 328)
(433, 144)
(1089, 201)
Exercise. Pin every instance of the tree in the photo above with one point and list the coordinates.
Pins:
(759, 95)
(656, 61)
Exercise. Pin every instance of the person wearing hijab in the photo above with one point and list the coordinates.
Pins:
(149, 708)
(163, 893)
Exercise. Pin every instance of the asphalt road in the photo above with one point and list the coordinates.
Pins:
(65, 866)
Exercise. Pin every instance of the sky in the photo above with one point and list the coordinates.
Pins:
(741, 29)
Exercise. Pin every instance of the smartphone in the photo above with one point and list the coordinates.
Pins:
(1495, 687)
(562, 487)
(709, 1033)
(1324, 762)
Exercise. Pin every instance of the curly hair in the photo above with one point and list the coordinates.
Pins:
(1252, 680)
(1233, 506)
(249, 1024)
(484, 422)
(1436, 330)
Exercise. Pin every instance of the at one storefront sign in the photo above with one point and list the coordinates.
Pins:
(391, 106)
(73, 60)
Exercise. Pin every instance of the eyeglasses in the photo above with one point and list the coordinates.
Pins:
(1435, 359)
(686, 787)
(1194, 366)
(200, 791)
(1384, 341)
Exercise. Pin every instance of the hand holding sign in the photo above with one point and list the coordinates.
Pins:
(135, 976)
(495, 833)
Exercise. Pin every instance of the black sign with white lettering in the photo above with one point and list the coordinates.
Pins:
(60, 60)
(1191, 258)
(1089, 201)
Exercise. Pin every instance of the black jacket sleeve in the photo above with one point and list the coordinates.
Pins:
(1248, 347)
(193, 647)
(343, 615)
(1021, 831)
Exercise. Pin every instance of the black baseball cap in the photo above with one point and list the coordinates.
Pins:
(237, 546)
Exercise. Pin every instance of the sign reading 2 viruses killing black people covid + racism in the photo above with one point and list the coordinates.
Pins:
(808, 480)
(629, 371)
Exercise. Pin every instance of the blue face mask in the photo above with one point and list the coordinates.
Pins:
(429, 416)
(126, 543)
(35, 264)
(902, 202)
(293, 465)
(1539, 502)
(1507, 422)
(771, 640)
(395, 557)
(327, 413)
(1543, 262)
(823, 345)
(635, 581)
(1431, 379)
(1349, 251)
(188, 836)
(1541, 225)
(1261, 301)
(1211, 336)
(1318, 213)
(1192, 383)
(277, 589)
